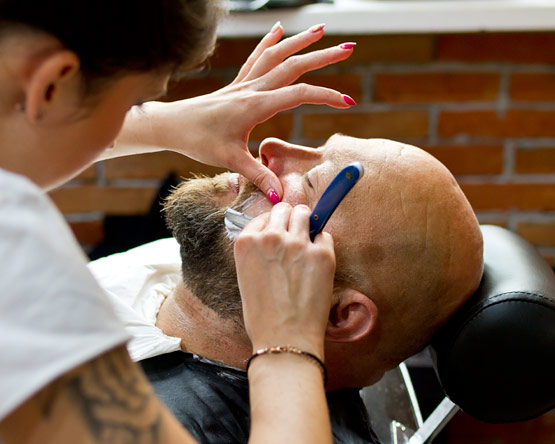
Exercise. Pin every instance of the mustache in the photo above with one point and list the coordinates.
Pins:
(204, 192)
(248, 192)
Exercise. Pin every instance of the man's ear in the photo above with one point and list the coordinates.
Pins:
(47, 81)
(352, 317)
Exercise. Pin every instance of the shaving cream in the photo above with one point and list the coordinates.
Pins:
(233, 230)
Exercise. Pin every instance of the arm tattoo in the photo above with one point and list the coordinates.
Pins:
(116, 401)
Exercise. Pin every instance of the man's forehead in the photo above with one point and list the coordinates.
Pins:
(342, 150)
(336, 141)
(338, 146)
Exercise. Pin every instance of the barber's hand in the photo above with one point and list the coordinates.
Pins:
(286, 281)
(215, 128)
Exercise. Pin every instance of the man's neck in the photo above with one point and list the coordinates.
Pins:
(203, 331)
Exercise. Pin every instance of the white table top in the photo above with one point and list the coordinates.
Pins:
(399, 17)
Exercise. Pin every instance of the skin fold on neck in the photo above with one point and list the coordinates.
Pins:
(202, 331)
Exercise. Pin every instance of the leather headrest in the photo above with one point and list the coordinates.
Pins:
(495, 358)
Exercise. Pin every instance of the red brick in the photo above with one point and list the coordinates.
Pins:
(510, 196)
(521, 47)
(192, 87)
(380, 48)
(436, 87)
(119, 201)
(155, 166)
(391, 124)
(88, 233)
(232, 52)
(474, 159)
(532, 87)
(535, 160)
(281, 125)
(538, 233)
(516, 123)
(383, 48)
(345, 83)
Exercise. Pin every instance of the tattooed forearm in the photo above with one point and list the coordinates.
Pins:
(116, 401)
(47, 397)
(105, 401)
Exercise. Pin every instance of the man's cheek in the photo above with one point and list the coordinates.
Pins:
(296, 197)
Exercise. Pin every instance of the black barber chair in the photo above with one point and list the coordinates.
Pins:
(495, 359)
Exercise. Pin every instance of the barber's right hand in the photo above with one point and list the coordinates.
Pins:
(285, 280)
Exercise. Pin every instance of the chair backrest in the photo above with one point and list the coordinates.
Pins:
(495, 358)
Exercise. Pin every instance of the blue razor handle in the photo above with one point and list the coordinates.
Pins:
(333, 195)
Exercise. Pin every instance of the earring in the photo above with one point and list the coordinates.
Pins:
(20, 107)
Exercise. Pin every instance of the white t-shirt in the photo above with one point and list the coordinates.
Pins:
(137, 282)
(53, 314)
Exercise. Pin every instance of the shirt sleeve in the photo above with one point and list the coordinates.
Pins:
(53, 315)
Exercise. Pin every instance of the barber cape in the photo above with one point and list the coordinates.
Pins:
(137, 282)
(209, 398)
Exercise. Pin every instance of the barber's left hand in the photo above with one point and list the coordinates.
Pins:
(215, 128)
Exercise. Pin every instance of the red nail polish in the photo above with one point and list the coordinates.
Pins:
(349, 100)
(317, 28)
(273, 197)
(348, 45)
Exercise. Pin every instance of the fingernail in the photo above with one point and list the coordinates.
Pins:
(275, 27)
(349, 100)
(273, 197)
(348, 45)
(317, 28)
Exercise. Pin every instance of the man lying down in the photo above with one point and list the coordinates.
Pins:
(409, 253)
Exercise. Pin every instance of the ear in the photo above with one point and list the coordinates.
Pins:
(352, 318)
(47, 81)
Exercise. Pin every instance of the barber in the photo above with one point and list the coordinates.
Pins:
(69, 73)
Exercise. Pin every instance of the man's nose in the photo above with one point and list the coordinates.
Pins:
(283, 157)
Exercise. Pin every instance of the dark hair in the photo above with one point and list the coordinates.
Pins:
(112, 37)
(207, 262)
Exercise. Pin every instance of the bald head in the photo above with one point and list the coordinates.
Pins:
(409, 240)
(408, 246)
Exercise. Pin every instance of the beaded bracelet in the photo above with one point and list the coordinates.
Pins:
(289, 349)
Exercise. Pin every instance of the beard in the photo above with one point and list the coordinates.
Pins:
(194, 213)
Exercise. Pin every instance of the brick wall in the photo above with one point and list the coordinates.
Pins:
(484, 104)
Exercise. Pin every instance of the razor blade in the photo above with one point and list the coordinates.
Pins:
(237, 219)
(326, 205)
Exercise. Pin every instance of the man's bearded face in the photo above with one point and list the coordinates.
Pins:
(195, 215)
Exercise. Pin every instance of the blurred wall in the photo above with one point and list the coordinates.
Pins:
(483, 104)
